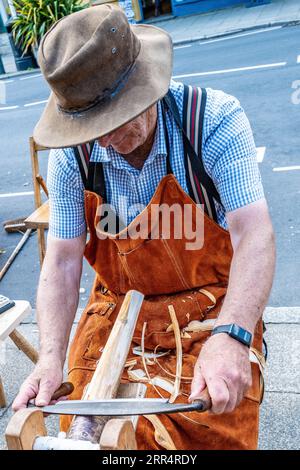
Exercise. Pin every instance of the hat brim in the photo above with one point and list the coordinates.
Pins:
(148, 83)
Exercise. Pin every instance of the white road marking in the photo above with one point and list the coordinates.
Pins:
(287, 168)
(182, 47)
(298, 59)
(26, 193)
(31, 76)
(6, 81)
(8, 107)
(260, 153)
(236, 36)
(35, 103)
(240, 69)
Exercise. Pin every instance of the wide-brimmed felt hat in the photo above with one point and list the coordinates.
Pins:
(103, 73)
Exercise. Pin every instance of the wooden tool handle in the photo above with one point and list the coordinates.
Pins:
(66, 388)
(205, 400)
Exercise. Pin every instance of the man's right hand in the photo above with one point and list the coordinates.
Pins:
(40, 385)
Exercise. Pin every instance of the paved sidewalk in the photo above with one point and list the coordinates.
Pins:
(206, 25)
(229, 20)
(280, 411)
(6, 54)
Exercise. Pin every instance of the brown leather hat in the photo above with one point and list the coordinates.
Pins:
(103, 73)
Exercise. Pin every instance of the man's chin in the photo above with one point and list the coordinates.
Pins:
(123, 149)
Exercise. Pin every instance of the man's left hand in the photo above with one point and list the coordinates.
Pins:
(223, 366)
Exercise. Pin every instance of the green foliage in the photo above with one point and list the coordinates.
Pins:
(35, 18)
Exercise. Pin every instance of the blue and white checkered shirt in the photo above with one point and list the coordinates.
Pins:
(229, 157)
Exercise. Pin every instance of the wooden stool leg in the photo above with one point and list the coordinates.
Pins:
(2, 395)
(41, 244)
(24, 346)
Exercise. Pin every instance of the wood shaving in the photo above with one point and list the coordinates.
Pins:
(177, 334)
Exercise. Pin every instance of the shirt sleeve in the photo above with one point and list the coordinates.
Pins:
(229, 152)
(66, 195)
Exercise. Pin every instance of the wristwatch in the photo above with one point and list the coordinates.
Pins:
(236, 332)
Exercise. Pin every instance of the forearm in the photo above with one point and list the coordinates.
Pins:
(250, 280)
(223, 364)
(57, 302)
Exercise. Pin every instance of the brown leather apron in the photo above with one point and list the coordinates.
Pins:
(194, 282)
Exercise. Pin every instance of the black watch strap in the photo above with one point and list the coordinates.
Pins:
(236, 332)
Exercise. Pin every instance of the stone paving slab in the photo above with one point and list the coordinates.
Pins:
(282, 315)
(279, 422)
(283, 371)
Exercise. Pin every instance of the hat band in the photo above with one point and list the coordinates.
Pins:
(106, 95)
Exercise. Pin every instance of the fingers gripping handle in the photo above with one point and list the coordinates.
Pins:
(204, 400)
(65, 389)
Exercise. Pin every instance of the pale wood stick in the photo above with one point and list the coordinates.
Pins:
(178, 353)
(35, 171)
(15, 252)
(24, 346)
(106, 378)
(2, 395)
(161, 433)
(41, 180)
(15, 225)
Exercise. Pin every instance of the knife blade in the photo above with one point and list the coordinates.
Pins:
(121, 407)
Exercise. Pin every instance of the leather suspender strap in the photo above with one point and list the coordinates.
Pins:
(200, 185)
(92, 173)
(82, 155)
(167, 141)
(193, 111)
(96, 182)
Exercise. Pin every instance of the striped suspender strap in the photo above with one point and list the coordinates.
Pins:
(91, 172)
(92, 175)
(193, 114)
(200, 185)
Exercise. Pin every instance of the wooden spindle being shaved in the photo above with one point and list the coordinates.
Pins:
(107, 376)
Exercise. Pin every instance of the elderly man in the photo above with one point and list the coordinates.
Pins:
(124, 135)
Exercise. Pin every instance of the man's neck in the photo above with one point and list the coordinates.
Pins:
(138, 157)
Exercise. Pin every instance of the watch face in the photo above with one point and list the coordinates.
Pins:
(240, 334)
(234, 330)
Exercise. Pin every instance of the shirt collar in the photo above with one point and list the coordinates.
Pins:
(105, 155)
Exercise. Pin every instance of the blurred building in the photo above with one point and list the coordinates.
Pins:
(147, 9)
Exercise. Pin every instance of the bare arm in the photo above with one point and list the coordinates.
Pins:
(57, 302)
(223, 364)
(252, 267)
(58, 292)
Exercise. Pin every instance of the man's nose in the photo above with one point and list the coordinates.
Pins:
(105, 140)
